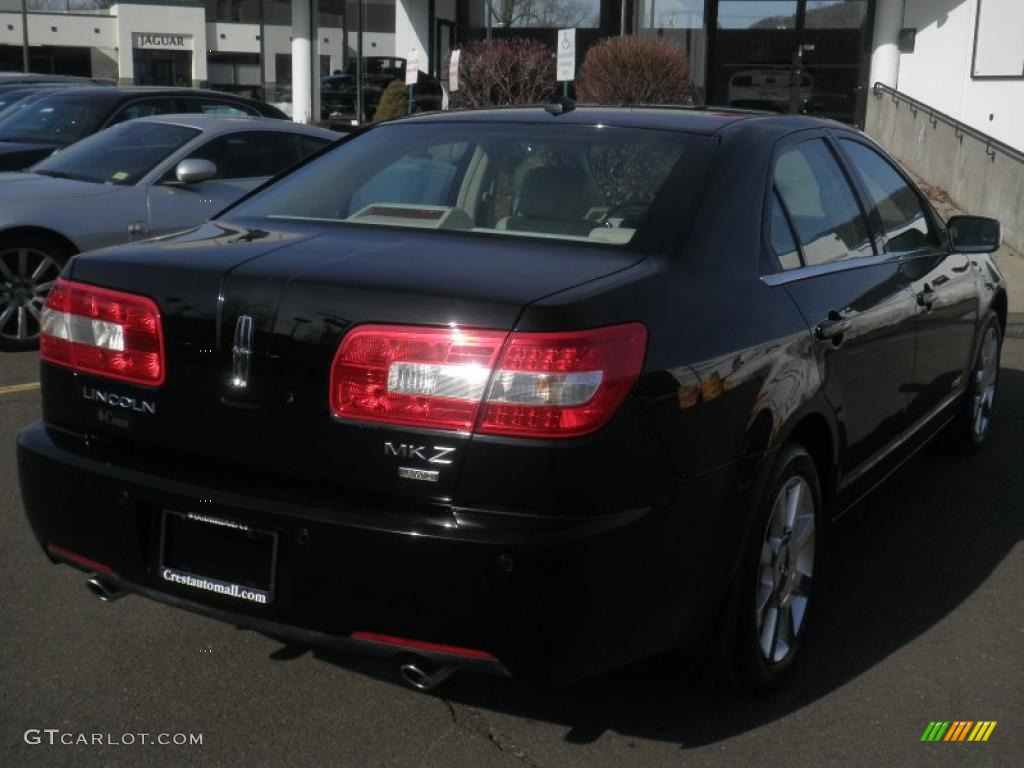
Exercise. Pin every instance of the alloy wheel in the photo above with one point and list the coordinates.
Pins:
(985, 374)
(26, 277)
(786, 570)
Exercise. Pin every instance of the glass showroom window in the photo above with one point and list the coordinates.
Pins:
(681, 21)
(518, 14)
(69, 6)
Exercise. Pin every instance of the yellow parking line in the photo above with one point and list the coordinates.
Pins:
(13, 388)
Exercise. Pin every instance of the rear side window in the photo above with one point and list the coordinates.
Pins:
(145, 108)
(783, 241)
(310, 145)
(821, 204)
(250, 155)
(214, 107)
(899, 207)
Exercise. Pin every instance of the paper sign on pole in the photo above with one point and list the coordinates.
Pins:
(453, 71)
(412, 67)
(566, 55)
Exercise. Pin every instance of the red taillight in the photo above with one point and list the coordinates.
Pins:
(419, 377)
(563, 384)
(103, 332)
(522, 384)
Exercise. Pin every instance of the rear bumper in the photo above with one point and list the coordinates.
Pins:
(558, 599)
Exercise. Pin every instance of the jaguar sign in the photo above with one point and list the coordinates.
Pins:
(159, 41)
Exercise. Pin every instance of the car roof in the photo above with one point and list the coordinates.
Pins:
(128, 92)
(37, 87)
(32, 77)
(214, 124)
(708, 121)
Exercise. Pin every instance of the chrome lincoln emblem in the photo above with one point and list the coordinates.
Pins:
(241, 352)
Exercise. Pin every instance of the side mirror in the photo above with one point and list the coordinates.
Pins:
(194, 170)
(974, 234)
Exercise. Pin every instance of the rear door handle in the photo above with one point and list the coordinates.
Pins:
(832, 328)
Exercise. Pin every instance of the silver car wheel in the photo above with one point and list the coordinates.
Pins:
(786, 570)
(985, 374)
(26, 277)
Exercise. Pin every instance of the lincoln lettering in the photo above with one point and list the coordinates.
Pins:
(119, 401)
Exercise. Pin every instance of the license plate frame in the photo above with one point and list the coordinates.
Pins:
(255, 589)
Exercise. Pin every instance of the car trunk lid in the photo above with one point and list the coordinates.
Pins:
(252, 320)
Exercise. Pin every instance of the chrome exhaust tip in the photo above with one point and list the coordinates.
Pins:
(424, 676)
(103, 591)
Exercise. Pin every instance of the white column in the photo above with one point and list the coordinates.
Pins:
(412, 30)
(302, 76)
(885, 51)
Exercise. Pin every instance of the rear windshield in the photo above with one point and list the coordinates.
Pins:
(582, 183)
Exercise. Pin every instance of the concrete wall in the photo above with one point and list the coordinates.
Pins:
(939, 71)
(232, 38)
(10, 29)
(979, 179)
(374, 44)
(104, 63)
(62, 29)
(161, 19)
(412, 30)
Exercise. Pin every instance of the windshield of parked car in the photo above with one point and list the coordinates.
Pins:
(55, 120)
(569, 182)
(119, 155)
(9, 99)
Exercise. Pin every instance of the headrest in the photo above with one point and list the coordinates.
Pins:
(555, 194)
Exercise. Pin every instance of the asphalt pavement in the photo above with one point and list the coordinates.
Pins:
(921, 619)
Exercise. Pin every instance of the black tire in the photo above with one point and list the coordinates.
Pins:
(739, 660)
(973, 422)
(28, 266)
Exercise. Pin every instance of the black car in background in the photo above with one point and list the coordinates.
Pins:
(32, 132)
(338, 92)
(515, 391)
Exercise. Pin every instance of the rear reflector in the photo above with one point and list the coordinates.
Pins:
(103, 332)
(73, 557)
(422, 645)
(521, 384)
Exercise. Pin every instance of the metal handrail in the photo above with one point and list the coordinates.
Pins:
(959, 129)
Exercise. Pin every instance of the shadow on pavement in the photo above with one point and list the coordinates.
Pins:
(900, 562)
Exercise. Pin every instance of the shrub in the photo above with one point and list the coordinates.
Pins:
(394, 102)
(635, 70)
(505, 72)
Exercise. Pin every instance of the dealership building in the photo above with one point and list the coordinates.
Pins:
(965, 58)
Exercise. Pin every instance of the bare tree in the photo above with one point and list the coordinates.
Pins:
(543, 13)
(505, 72)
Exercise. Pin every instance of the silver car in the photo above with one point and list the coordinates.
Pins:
(143, 178)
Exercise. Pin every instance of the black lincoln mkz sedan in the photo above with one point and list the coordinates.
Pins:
(528, 392)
